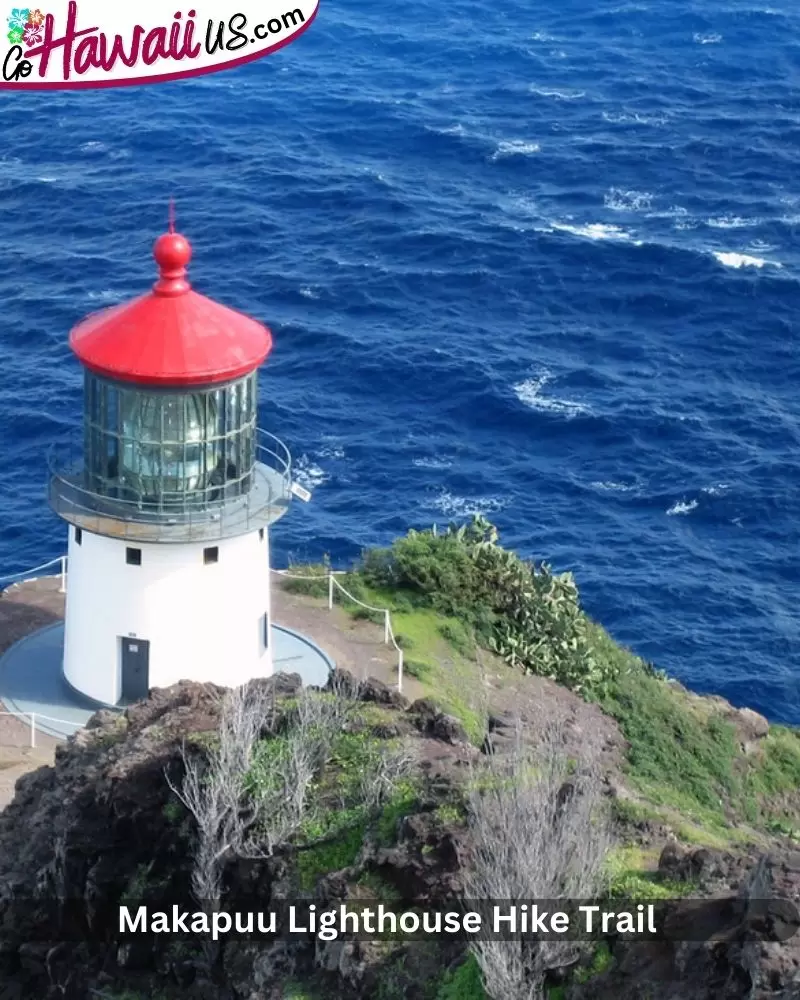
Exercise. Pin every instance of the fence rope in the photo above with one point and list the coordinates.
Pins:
(25, 574)
(388, 631)
(31, 717)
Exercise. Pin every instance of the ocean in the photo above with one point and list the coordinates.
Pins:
(537, 261)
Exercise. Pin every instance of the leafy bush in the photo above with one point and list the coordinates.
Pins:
(527, 614)
(463, 983)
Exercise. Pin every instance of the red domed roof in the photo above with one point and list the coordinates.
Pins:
(172, 335)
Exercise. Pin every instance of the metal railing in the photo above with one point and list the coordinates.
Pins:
(333, 587)
(27, 575)
(268, 498)
(31, 718)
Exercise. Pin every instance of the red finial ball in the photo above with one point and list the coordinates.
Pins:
(172, 252)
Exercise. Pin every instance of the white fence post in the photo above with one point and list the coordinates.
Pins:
(63, 575)
(386, 627)
(330, 591)
(400, 671)
(33, 730)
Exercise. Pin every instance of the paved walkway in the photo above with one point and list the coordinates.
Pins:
(33, 611)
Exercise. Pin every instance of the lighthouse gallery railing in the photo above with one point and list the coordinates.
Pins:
(264, 503)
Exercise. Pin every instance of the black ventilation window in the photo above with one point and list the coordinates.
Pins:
(133, 557)
(79, 536)
(261, 534)
(263, 628)
(211, 555)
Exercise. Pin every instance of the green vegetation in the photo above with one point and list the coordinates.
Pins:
(632, 874)
(348, 797)
(602, 960)
(464, 983)
(525, 613)
(685, 757)
(453, 593)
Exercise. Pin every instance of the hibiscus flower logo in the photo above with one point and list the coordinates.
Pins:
(33, 35)
(19, 18)
(25, 25)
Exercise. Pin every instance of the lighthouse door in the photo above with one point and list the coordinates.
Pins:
(135, 669)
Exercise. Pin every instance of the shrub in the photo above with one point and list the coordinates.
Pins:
(527, 614)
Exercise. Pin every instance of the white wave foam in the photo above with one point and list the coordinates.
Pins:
(620, 200)
(740, 260)
(457, 129)
(559, 95)
(332, 450)
(597, 231)
(612, 487)
(633, 118)
(731, 222)
(94, 147)
(309, 293)
(682, 507)
(46, 179)
(308, 474)
(107, 295)
(432, 463)
(712, 38)
(457, 506)
(515, 147)
(542, 36)
(529, 392)
(716, 490)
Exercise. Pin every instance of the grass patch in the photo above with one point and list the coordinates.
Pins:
(330, 856)
(463, 983)
(685, 756)
(443, 660)
(632, 874)
(601, 962)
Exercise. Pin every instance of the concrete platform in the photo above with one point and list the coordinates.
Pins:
(31, 679)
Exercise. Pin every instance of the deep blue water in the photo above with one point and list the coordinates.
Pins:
(537, 261)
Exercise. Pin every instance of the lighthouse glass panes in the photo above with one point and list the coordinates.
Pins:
(169, 450)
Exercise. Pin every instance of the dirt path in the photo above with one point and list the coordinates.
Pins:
(356, 646)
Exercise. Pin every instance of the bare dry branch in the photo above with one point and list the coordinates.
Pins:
(539, 832)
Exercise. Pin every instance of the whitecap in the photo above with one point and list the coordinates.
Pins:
(716, 489)
(559, 95)
(731, 222)
(620, 200)
(597, 231)
(93, 147)
(529, 392)
(612, 487)
(107, 295)
(309, 293)
(682, 507)
(457, 129)
(712, 38)
(432, 463)
(45, 179)
(515, 147)
(308, 474)
(542, 36)
(633, 118)
(739, 260)
(458, 507)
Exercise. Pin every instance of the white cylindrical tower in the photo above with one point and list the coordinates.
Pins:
(170, 502)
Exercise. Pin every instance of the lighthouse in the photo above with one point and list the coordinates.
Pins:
(170, 499)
